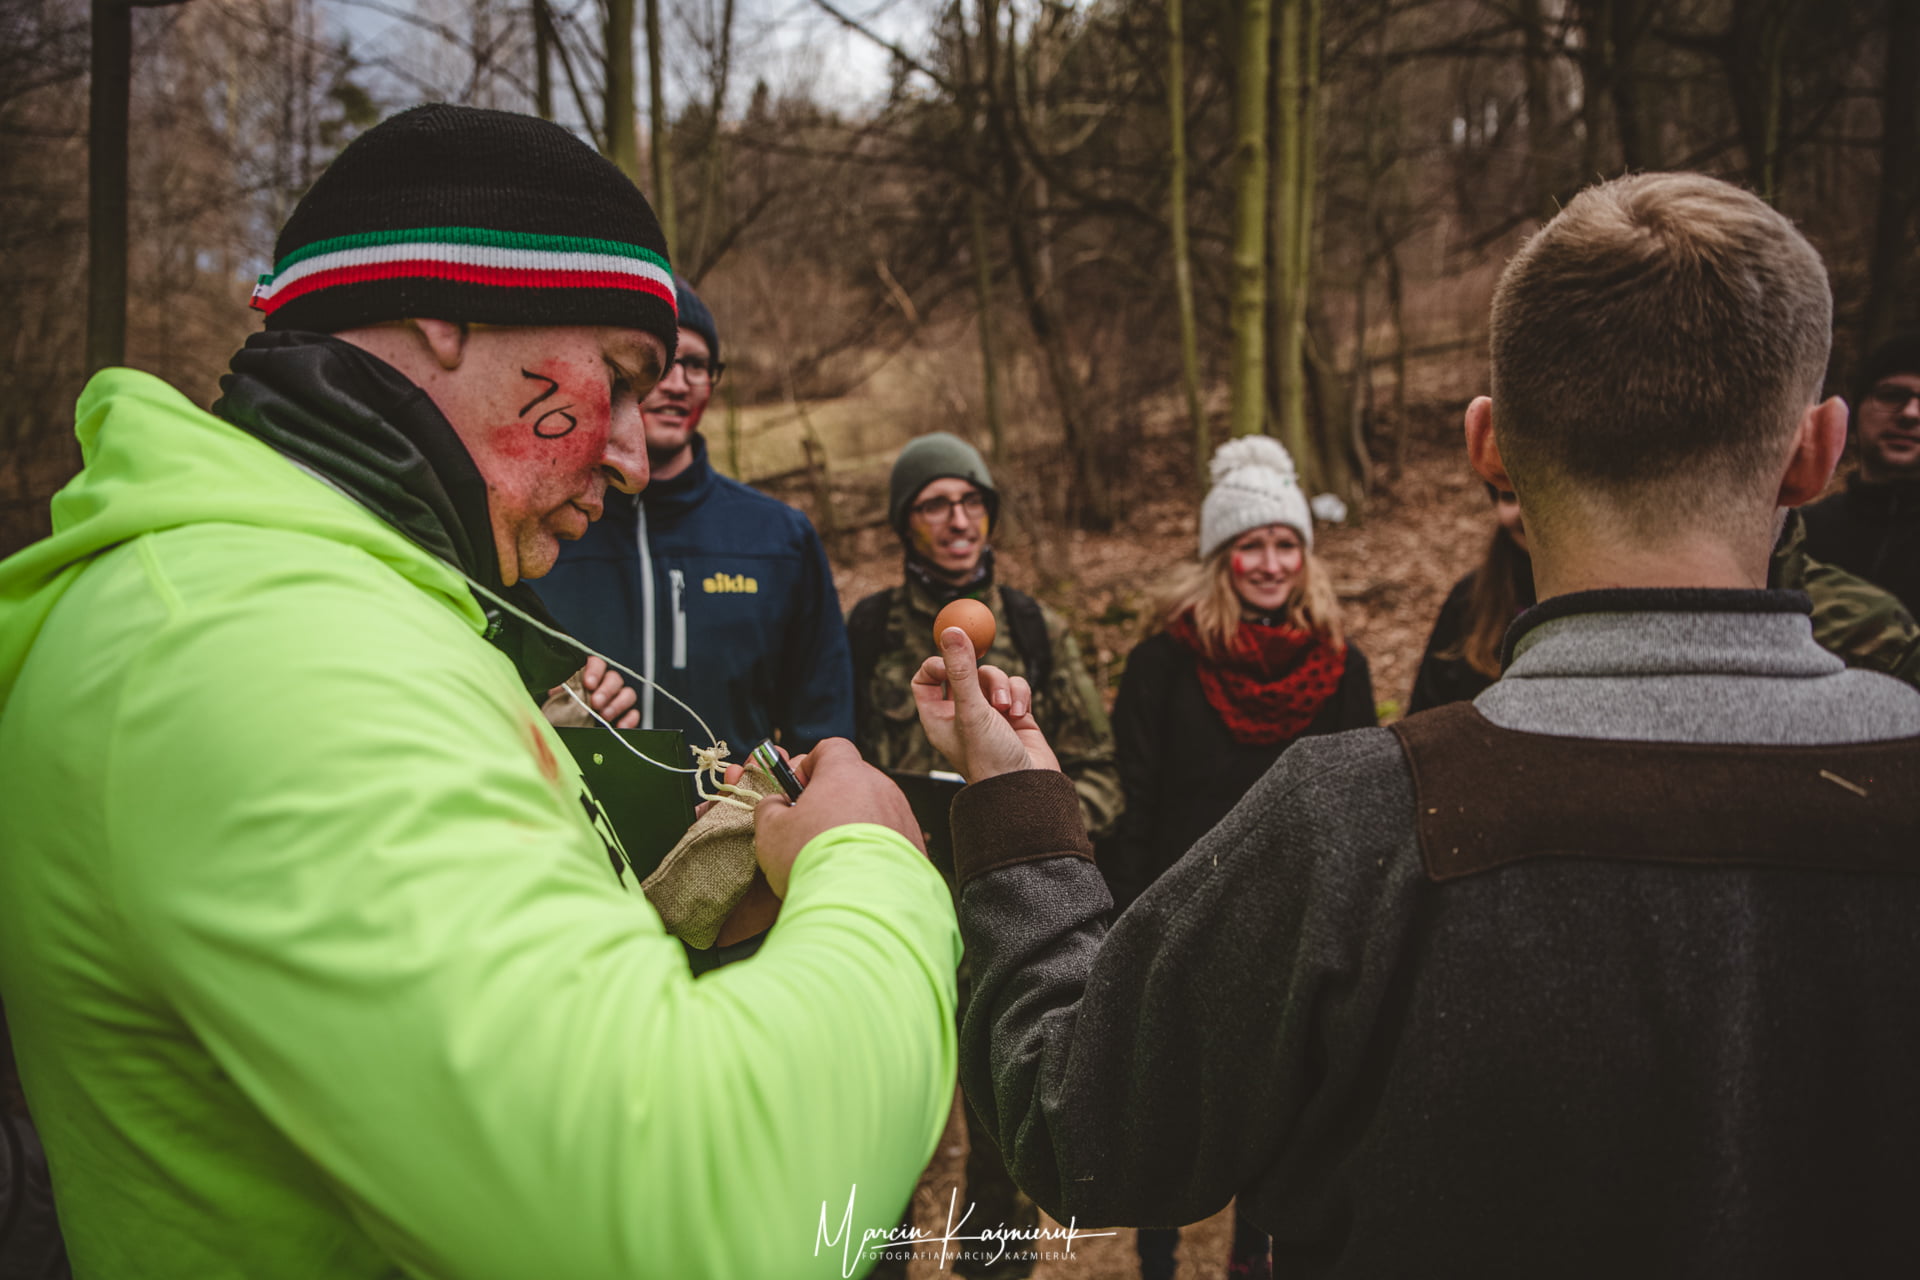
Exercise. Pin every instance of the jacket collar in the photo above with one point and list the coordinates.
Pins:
(1696, 609)
(359, 424)
(686, 490)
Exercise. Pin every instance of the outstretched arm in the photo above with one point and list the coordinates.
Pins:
(1144, 1073)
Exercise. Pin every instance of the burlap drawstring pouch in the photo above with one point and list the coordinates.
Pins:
(702, 878)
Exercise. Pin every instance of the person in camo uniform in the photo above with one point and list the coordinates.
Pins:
(943, 504)
(1865, 625)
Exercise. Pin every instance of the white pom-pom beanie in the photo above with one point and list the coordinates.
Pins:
(1254, 484)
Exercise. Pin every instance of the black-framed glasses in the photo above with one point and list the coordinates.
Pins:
(700, 371)
(1893, 395)
(938, 509)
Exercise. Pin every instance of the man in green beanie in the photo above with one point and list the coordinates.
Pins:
(943, 504)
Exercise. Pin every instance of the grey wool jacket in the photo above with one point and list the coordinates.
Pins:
(1562, 1065)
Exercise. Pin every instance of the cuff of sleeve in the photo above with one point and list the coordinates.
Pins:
(1017, 817)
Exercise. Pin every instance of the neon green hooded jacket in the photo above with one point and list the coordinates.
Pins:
(315, 965)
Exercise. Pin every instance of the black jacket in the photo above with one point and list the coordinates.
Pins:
(1872, 530)
(1180, 768)
(1443, 680)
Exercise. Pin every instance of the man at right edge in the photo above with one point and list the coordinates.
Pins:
(1608, 972)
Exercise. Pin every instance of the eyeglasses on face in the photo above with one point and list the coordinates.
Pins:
(1893, 395)
(938, 509)
(700, 371)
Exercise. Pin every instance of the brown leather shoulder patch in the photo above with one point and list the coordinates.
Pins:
(1490, 796)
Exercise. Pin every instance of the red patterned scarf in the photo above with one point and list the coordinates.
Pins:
(1270, 683)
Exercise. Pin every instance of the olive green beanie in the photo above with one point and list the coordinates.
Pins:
(936, 456)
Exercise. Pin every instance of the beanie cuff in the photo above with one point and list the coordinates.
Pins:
(469, 273)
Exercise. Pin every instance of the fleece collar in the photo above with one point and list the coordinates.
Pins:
(359, 424)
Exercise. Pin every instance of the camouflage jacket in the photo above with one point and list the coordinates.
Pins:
(1852, 618)
(1068, 710)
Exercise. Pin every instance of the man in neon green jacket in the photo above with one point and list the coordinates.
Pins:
(315, 959)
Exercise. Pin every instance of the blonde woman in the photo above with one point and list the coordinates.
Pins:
(1246, 655)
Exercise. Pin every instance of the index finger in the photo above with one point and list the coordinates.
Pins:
(832, 753)
(933, 671)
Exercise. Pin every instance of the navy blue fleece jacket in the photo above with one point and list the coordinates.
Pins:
(723, 596)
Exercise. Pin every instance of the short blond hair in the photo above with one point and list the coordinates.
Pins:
(1206, 588)
(1661, 337)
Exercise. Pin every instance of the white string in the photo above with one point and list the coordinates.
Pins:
(706, 760)
(712, 762)
(584, 706)
(700, 753)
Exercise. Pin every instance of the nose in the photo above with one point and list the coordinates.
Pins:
(958, 517)
(624, 464)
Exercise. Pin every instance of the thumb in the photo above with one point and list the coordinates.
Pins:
(963, 672)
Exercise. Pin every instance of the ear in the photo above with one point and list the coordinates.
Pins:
(447, 339)
(1482, 451)
(1817, 444)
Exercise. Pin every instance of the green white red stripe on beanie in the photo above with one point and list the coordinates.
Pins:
(466, 255)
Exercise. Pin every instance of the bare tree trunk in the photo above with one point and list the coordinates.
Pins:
(1182, 254)
(1247, 379)
(1536, 68)
(1754, 53)
(713, 184)
(969, 92)
(542, 60)
(1360, 392)
(983, 301)
(107, 184)
(1611, 31)
(1593, 85)
(622, 135)
(1890, 273)
(1295, 77)
(1396, 308)
(1639, 140)
(658, 150)
(818, 473)
(1093, 494)
(1773, 57)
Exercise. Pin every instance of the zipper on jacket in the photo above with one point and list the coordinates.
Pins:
(646, 616)
(679, 580)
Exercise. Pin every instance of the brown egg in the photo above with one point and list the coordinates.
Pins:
(971, 617)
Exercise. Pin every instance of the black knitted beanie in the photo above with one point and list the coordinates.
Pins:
(695, 316)
(1898, 354)
(458, 213)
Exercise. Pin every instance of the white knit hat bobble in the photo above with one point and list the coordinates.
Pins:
(1254, 484)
